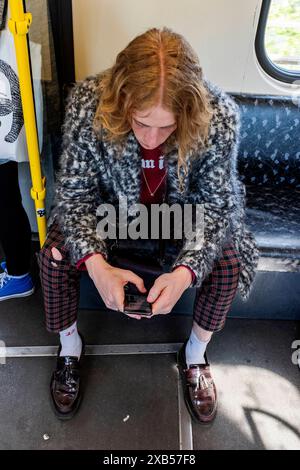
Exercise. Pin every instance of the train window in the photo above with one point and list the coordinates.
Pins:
(277, 41)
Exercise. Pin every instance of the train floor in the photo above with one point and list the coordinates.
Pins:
(132, 393)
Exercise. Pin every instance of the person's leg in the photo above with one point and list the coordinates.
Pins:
(15, 237)
(15, 231)
(60, 282)
(216, 294)
(212, 303)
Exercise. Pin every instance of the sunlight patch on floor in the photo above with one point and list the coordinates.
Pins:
(263, 405)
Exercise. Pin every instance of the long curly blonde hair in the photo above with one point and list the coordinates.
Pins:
(157, 67)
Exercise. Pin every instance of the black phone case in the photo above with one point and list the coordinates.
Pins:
(135, 302)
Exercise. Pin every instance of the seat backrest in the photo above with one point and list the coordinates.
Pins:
(269, 151)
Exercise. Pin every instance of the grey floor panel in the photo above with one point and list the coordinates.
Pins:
(258, 387)
(130, 402)
(22, 322)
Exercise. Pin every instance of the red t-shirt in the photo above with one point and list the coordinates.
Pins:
(154, 175)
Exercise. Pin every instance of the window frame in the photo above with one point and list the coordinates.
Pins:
(268, 66)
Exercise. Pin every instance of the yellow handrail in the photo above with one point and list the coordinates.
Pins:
(19, 24)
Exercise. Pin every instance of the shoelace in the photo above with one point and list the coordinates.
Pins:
(4, 277)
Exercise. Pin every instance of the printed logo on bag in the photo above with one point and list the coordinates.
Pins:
(13, 105)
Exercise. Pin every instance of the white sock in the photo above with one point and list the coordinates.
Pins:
(195, 349)
(71, 344)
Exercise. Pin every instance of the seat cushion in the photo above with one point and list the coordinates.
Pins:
(273, 215)
(269, 151)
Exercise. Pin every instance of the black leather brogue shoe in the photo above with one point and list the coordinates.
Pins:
(65, 385)
(200, 394)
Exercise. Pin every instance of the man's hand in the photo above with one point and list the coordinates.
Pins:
(167, 290)
(110, 281)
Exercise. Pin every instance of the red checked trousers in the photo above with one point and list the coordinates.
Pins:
(60, 282)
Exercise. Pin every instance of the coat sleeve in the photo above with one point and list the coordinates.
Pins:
(214, 177)
(78, 190)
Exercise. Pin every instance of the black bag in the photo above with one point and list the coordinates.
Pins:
(149, 266)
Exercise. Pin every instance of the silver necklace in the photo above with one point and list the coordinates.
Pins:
(153, 192)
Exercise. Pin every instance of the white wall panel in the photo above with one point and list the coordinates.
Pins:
(222, 32)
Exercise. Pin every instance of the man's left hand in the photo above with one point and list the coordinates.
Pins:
(167, 290)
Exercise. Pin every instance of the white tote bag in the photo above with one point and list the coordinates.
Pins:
(12, 131)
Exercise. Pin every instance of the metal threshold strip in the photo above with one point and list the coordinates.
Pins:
(184, 419)
(185, 422)
(92, 350)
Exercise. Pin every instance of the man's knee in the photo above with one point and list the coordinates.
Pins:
(56, 256)
(225, 278)
(50, 258)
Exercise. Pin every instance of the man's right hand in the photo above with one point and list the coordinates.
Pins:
(110, 281)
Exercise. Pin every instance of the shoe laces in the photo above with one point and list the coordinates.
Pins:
(4, 278)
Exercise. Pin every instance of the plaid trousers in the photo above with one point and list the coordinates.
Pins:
(60, 282)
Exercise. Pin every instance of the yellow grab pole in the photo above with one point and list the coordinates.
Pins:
(19, 24)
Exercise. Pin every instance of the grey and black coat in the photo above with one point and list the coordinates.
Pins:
(92, 172)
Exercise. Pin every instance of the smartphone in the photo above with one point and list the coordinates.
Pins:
(136, 304)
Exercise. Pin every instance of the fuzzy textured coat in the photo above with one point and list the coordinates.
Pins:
(92, 172)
